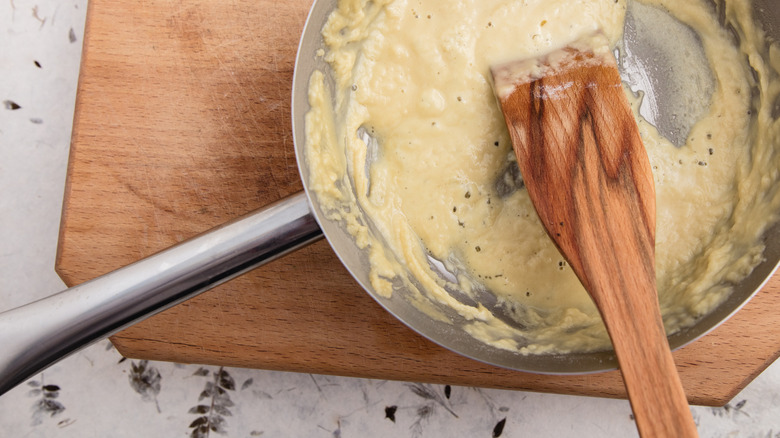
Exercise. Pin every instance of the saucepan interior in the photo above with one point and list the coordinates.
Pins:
(451, 334)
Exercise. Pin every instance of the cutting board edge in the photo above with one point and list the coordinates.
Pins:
(61, 262)
(614, 390)
(607, 384)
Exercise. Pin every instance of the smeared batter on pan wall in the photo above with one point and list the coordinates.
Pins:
(412, 142)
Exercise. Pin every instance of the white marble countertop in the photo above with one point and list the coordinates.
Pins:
(96, 393)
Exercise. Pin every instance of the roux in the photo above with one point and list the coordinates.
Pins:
(410, 152)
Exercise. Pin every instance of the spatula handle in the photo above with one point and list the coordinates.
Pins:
(586, 171)
(646, 363)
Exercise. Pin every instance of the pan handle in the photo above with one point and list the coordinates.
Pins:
(37, 335)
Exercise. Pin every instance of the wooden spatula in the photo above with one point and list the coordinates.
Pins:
(588, 175)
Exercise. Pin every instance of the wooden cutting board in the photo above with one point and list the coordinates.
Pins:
(182, 123)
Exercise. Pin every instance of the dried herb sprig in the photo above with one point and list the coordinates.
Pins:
(424, 412)
(45, 405)
(429, 393)
(432, 399)
(145, 380)
(730, 410)
(212, 415)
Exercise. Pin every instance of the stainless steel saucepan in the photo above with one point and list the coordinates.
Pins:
(36, 335)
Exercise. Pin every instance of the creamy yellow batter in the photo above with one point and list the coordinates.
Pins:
(410, 152)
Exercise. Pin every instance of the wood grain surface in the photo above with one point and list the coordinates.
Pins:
(182, 123)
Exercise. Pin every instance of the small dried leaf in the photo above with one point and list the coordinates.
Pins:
(34, 392)
(223, 400)
(247, 383)
(200, 409)
(447, 391)
(390, 412)
(425, 411)
(262, 395)
(51, 388)
(201, 372)
(205, 394)
(11, 105)
(49, 406)
(34, 383)
(423, 391)
(66, 422)
(226, 381)
(218, 424)
(200, 432)
(498, 429)
(198, 421)
(221, 410)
